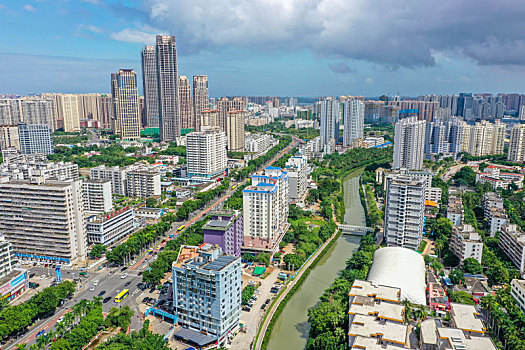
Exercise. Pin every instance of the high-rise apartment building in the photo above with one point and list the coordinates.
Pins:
(465, 243)
(116, 175)
(409, 143)
(296, 167)
(265, 206)
(68, 112)
(209, 118)
(201, 98)
(484, 138)
(187, 121)
(225, 229)
(97, 196)
(517, 144)
(206, 152)
(151, 85)
(9, 137)
(44, 221)
(207, 292)
(512, 242)
(443, 137)
(169, 119)
(353, 116)
(125, 103)
(464, 106)
(330, 116)
(35, 139)
(404, 211)
(235, 130)
(225, 105)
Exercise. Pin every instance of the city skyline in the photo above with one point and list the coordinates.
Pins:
(300, 49)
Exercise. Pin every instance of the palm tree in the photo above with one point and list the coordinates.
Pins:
(420, 312)
(61, 327)
(21, 346)
(69, 318)
(408, 309)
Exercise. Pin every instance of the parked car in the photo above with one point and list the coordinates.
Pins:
(263, 306)
(267, 301)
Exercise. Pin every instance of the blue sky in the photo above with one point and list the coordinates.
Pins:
(269, 47)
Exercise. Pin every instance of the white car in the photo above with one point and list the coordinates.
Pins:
(95, 283)
(124, 276)
(92, 288)
(42, 277)
(60, 319)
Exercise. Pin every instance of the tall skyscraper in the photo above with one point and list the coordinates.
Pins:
(187, 121)
(464, 106)
(126, 104)
(225, 105)
(201, 98)
(409, 144)
(235, 131)
(169, 120)
(151, 85)
(330, 115)
(517, 144)
(353, 114)
(404, 209)
(35, 139)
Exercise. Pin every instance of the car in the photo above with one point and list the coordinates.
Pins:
(42, 277)
(32, 275)
(124, 276)
(145, 300)
(152, 290)
(106, 299)
(92, 288)
(101, 293)
(263, 306)
(60, 319)
(124, 268)
(127, 283)
(95, 283)
(42, 332)
(246, 308)
(140, 273)
(267, 301)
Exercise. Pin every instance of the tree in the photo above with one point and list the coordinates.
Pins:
(97, 250)
(461, 297)
(293, 261)
(456, 276)
(119, 317)
(471, 265)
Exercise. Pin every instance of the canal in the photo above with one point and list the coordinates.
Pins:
(291, 328)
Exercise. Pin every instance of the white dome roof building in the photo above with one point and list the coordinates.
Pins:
(402, 268)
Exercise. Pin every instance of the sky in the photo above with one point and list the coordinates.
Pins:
(270, 47)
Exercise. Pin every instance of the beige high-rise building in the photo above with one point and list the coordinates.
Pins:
(169, 119)
(126, 104)
(69, 112)
(517, 144)
(9, 137)
(224, 105)
(209, 118)
(201, 98)
(484, 138)
(187, 120)
(235, 131)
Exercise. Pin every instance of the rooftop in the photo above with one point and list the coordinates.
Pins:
(464, 317)
(370, 289)
(367, 306)
(456, 339)
(367, 326)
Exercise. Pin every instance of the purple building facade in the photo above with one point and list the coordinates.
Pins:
(226, 230)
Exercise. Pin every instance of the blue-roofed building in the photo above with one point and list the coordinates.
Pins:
(265, 207)
(207, 291)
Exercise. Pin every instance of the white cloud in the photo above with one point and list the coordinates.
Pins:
(29, 8)
(369, 80)
(134, 36)
(90, 28)
(395, 33)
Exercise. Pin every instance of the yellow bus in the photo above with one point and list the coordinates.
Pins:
(234, 187)
(121, 296)
(181, 228)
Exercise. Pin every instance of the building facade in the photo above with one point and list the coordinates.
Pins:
(187, 120)
(109, 228)
(296, 167)
(516, 151)
(465, 243)
(225, 229)
(116, 175)
(125, 103)
(330, 116)
(150, 85)
(35, 139)
(353, 116)
(235, 130)
(201, 98)
(404, 211)
(97, 196)
(143, 183)
(512, 242)
(9, 138)
(206, 153)
(409, 144)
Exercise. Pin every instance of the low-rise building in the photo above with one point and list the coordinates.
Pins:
(465, 243)
(97, 196)
(517, 290)
(437, 298)
(109, 228)
(498, 179)
(491, 200)
(512, 242)
(116, 175)
(25, 166)
(207, 292)
(225, 229)
(433, 194)
(143, 183)
(466, 318)
(149, 213)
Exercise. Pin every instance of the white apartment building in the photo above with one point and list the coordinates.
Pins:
(259, 143)
(311, 148)
(35, 138)
(409, 144)
(455, 210)
(465, 243)
(116, 175)
(433, 194)
(404, 211)
(296, 167)
(44, 221)
(109, 228)
(497, 218)
(491, 200)
(7, 259)
(23, 167)
(329, 115)
(483, 138)
(143, 183)
(512, 242)
(517, 144)
(206, 153)
(235, 130)
(97, 196)
(265, 205)
(517, 290)
(354, 119)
